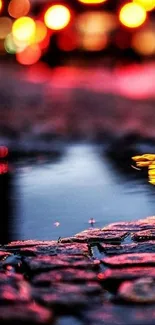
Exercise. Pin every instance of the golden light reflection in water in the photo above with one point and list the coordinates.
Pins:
(147, 160)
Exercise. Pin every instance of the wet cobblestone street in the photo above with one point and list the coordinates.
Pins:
(99, 276)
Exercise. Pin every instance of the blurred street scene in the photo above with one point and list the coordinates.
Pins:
(77, 98)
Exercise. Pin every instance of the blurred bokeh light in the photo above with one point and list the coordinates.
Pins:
(24, 29)
(30, 55)
(1, 4)
(18, 8)
(78, 27)
(92, 1)
(143, 42)
(147, 4)
(132, 15)
(57, 17)
(5, 27)
(40, 32)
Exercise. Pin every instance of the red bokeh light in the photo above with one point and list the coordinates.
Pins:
(30, 55)
(3, 151)
(3, 168)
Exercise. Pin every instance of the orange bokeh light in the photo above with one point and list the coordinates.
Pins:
(57, 17)
(24, 29)
(41, 31)
(18, 8)
(132, 15)
(30, 55)
(5, 26)
(92, 2)
(143, 42)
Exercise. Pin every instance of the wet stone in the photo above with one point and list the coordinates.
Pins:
(142, 224)
(71, 297)
(8, 277)
(45, 263)
(3, 255)
(69, 321)
(14, 261)
(97, 235)
(28, 243)
(18, 292)
(56, 248)
(69, 300)
(110, 314)
(144, 235)
(130, 259)
(31, 314)
(39, 250)
(64, 275)
(146, 247)
(73, 249)
(111, 278)
(138, 291)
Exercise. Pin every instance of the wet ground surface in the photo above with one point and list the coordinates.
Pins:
(58, 198)
(98, 276)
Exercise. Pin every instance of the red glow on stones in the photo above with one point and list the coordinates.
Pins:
(3, 151)
(101, 276)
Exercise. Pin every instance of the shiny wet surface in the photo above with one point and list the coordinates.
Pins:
(58, 199)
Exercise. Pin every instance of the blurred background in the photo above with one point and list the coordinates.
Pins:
(77, 97)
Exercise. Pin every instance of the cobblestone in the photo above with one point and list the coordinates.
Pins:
(97, 277)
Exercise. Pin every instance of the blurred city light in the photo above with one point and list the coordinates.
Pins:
(132, 15)
(18, 8)
(30, 55)
(92, 1)
(3, 168)
(9, 44)
(13, 46)
(3, 151)
(5, 26)
(41, 31)
(93, 29)
(94, 42)
(147, 4)
(57, 17)
(1, 5)
(143, 42)
(97, 22)
(24, 29)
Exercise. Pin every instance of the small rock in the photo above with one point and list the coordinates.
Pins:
(138, 291)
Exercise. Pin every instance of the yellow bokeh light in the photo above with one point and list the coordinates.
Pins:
(1, 4)
(132, 15)
(18, 8)
(143, 42)
(5, 27)
(57, 17)
(24, 29)
(92, 2)
(147, 4)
